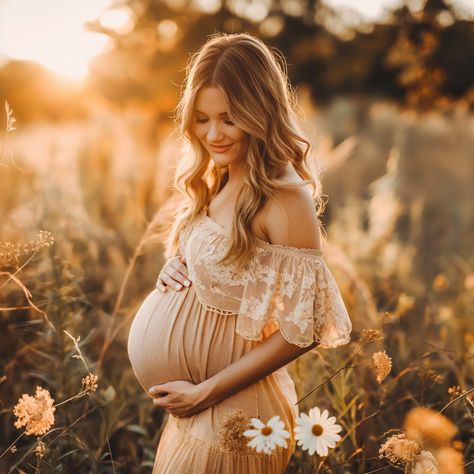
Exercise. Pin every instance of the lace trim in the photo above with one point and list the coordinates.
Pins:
(345, 339)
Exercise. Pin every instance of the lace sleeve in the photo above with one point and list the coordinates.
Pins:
(294, 288)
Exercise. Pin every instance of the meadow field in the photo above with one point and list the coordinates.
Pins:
(78, 256)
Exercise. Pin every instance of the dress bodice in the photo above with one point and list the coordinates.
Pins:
(287, 285)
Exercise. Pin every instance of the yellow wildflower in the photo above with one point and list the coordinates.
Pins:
(455, 391)
(89, 383)
(40, 449)
(231, 434)
(398, 449)
(36, 413)
(10, 252)
(382, 365)
(429, 427)
(428, 374)
(370, 335)
(450, 461)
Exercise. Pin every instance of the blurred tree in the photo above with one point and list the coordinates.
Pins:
(417, 54)
(332, 50)
(421, 72)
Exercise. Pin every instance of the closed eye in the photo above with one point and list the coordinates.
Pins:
(227, 122)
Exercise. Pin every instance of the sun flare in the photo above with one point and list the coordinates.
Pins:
(52, 33)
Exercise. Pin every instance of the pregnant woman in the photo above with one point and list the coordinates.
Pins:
(247, 238)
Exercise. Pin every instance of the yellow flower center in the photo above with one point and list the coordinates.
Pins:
(266, 431)
(317, 430)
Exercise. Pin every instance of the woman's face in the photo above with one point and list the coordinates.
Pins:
(225, 142)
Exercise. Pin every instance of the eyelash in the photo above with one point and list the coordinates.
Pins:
(228, 122)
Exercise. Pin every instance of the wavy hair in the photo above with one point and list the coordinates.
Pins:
(260, 100)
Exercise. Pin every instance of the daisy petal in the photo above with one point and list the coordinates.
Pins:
(334, 428)
(281, 442)
(312, 448)
(314, 415)
(282, 433)
(305, 418)
(321, 448)
(332, 437)
(257, 423)
(330, 443)
(273, 421)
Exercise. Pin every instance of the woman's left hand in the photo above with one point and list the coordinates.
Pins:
(181, 398)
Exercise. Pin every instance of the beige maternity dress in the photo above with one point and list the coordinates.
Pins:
(196, 332)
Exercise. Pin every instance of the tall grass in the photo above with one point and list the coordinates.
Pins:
(399, 221)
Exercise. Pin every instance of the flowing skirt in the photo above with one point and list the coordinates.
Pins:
(173, 337)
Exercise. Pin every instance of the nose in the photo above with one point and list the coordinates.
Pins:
(214, 133)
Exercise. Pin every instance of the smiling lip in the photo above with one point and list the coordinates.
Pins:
(220, 148)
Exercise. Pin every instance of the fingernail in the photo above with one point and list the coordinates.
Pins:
(179, 286)
(187, 282)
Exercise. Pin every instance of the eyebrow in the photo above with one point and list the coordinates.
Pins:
(200, 112)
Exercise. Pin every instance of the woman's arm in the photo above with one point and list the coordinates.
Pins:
(183, 398)
(273, 353)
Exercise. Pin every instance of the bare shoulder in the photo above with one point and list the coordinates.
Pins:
(290, 218)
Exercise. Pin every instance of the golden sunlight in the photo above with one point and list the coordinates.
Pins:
(52, 33)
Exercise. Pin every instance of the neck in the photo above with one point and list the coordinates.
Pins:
(237, 173)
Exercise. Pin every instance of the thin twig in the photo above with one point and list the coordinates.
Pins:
(28, 295)
(456, 399)
(108, 444)
(1, 455)
(333, 375)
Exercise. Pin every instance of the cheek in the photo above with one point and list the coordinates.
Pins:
(244, 141)
(241, 138)
(198, 131)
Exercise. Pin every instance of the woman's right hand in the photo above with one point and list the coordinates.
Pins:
(174, 274)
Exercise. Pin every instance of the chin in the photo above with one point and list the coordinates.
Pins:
(221, 159)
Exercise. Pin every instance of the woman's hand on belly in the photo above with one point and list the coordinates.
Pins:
(181, 398)
(174, 274)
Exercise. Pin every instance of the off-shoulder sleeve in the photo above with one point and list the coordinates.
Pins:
(294, 288)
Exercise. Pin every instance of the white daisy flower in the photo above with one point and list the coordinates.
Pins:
(266, 437)
(317, 432)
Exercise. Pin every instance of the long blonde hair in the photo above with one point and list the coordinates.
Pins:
(260, 100)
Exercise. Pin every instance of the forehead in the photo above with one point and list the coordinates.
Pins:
(210, 100)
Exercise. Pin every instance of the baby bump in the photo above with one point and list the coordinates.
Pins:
(155, 340)
(174, 337)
